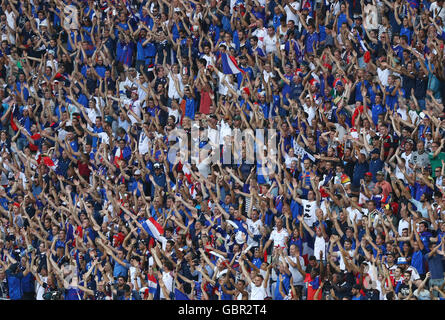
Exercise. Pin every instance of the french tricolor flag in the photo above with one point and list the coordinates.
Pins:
(152, 283)
(49, 162)
(153, 228)
(229, 65)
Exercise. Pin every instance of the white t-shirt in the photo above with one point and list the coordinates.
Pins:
(134, 106)
(414, 274)
(263, 273)
(129, 83)
(133, 277)
(353, 213)
(403, 113)
(311, 113)
(124, 124)
(437, 10)
(224, 80)
(142, 94)
(225, 130)
(341, 131)
(399, 174)
(383, 75)
(40, 290)
(254, 228)
(341, 260)
(296, 275)
(71, 20)
(172, 92)
(270, 44)
(204, 168)
(334, 7)
(10, 18)
(403, 224)
(288, 160)
(290, 15)
(257, 293)
(175, 113)
(278, 237)
(309, 208)
(168, 281)
(104, 138)
(319, 245)
(213, 134)
(143, 143)
(267, 75)
(371, 20)
(210, 59)
(260, 33)
(407, 158)
(50, 63)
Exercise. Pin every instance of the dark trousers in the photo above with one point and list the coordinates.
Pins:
(29, 296)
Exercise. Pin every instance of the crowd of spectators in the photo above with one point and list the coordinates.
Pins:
(349, 205)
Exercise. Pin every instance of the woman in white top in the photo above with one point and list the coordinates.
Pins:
(197, 15)
(288, 156)
(175, 88)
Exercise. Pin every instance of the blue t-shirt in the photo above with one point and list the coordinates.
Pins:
(73, 294)
(377, 109)
(15, 285)
(190, 107)
(435, 266)
(285, 285)
(417, 261)
(342, 18)
(121, 270)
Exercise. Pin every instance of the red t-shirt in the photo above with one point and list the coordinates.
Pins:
(84, 171)
(310, 289)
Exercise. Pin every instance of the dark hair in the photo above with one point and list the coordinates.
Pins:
(171, 242)
(390, 296)
(168, 265)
